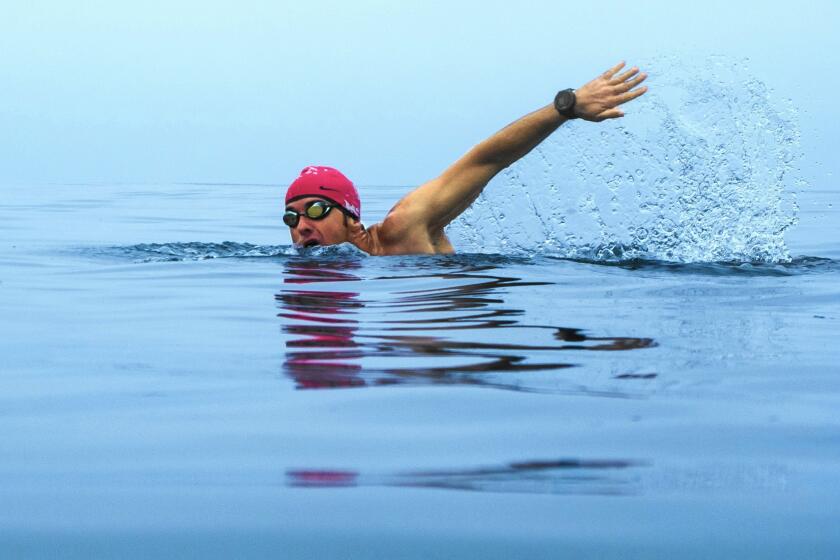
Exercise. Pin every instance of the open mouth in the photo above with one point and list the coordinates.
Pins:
(310, 243)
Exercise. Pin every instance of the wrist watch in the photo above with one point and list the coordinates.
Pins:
(564, 102)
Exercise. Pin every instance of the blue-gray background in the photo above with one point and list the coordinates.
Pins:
(390, 92)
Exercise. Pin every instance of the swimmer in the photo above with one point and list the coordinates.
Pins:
(323, 206)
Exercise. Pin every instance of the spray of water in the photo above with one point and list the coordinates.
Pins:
(703, 169)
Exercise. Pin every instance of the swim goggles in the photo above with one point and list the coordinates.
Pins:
(315, 210)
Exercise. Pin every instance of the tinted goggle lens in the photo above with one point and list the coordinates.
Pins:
(316, 210)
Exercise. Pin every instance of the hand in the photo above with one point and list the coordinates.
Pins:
(599, 99)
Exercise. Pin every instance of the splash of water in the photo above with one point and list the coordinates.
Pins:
(194, 251)
(199, 251)
(702, 169)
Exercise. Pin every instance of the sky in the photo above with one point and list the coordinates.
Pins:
(389, 92)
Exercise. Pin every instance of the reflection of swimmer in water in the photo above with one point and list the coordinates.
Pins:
(330, 331)
(415, 224)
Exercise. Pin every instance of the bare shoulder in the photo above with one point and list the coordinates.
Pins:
(401, 233)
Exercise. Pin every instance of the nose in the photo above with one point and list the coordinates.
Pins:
(303, 230)
(304, 227)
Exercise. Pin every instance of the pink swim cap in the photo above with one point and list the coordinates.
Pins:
(329, 183)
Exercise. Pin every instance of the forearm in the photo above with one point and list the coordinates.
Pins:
(597, 100)
(440, 200)
(517, 139)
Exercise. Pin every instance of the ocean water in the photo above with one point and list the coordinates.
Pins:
(179, 382)
(633, 355)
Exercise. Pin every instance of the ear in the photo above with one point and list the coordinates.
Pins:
(360, 237)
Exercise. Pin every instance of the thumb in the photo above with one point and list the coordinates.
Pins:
(360, 237)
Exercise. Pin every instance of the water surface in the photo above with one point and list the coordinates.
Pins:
(174, 376)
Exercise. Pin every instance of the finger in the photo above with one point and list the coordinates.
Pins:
(630, 95)
(627, 86)
(611, 114)
(623, 77)
(611, 72)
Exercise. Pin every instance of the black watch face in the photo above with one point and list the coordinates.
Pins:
(564, 101)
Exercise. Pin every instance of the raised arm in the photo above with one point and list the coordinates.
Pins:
(439, 201)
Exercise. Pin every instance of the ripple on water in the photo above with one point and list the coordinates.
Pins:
(567, 476)
(197, 250)
(558, 476)
(609, 255)
(449, 334)
(440, 320)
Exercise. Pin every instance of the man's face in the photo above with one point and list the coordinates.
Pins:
(329, 230)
